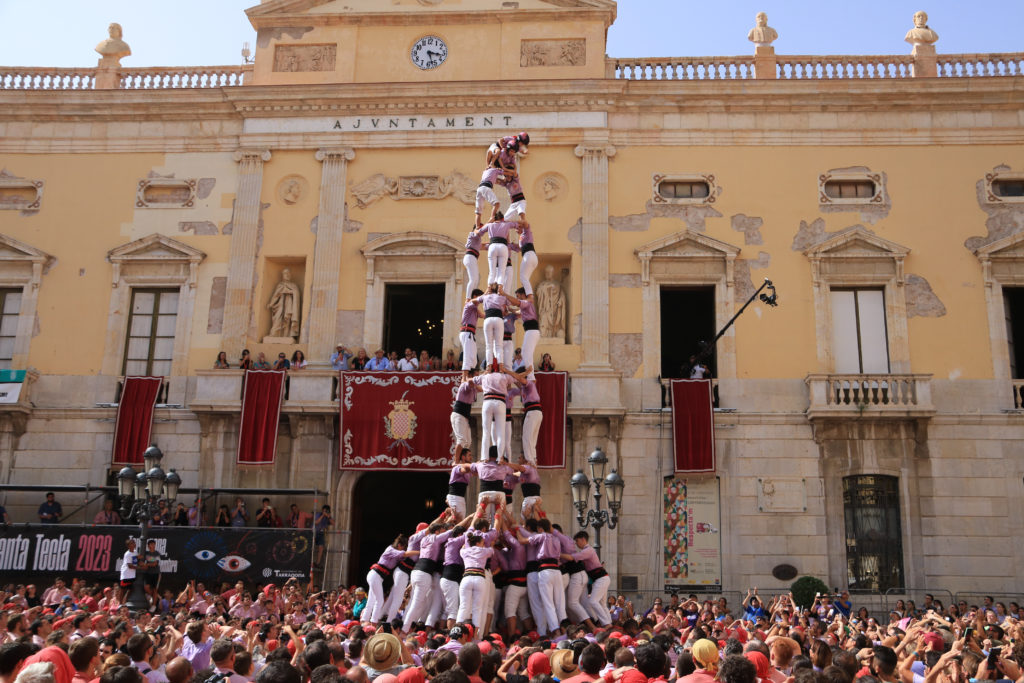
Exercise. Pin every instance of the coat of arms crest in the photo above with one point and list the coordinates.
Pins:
(400, 423)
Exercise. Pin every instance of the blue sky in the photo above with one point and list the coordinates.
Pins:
(210, 32)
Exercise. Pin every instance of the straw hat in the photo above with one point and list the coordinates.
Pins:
(382, 651)
(562, 666)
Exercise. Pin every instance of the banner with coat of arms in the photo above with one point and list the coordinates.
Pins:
(397, 421)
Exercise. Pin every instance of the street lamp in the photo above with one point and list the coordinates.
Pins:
(580, 485)
(141, 494)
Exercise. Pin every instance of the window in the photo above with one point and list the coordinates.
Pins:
(10, 307)
(850, 189)
(414, 318)
(675, 189)
(1008, 188)
(874, 540)
(858, 331)
(1013, 303)
(149, 349)
(687, 327)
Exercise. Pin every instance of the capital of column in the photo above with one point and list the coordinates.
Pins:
(252, 154)
(595, 150)
(335, 153)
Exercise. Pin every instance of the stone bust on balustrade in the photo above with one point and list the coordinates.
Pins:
(113, 48)
(762, 35)
(921, 34)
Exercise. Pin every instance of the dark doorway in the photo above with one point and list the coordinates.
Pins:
(385, 504)
(414, 318)
(874, 541)
(1013, 299)
(687, 326)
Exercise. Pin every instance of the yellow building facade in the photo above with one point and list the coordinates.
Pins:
(868, 429)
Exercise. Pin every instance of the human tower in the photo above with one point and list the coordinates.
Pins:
(492, 569)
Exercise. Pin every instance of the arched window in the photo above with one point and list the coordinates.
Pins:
(874, 540)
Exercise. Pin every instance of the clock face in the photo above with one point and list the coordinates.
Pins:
(429, 52)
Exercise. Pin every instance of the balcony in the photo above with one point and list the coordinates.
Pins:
(309, 390)
(882, 396)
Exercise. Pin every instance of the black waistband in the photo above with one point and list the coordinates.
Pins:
(468, 328)
(515, 577)
(406, 565)
(531, 325)
(532, 566)
(547, 564)
(530, 489)
(509, 263)
(527, 247)
(499, 580)
(518, 197)
(474, 572)
(595, 574)
(499, 240)
(493, 313)
(486, 183)
(492, 485)
(530, 407)
(494, 397)
(457, 488)
(383, 571)
(572, 567)
(508, 498)
(425, 564)
(507, 337)
(474, 252)
(452, 572)
(462, 408)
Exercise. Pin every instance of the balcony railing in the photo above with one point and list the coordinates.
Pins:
(682, 68)
(1018, 394)
(804, 67)
(134, 78)
(870, 394)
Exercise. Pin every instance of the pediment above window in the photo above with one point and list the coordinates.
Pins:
(155, 258)
(686, 246)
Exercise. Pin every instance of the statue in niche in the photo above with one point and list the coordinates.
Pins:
(762, 35)
(113, 48)
(921, 34)
(284, 307)
(551, 305)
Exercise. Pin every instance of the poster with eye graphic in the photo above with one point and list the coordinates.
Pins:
(692, 552)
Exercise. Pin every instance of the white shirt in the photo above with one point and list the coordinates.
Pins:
(408, 364)
(128, 563)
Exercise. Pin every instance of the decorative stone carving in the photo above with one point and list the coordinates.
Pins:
(19, 193)
(166, 193)
(991, 197)
(921, 34)
(292, 189)
(781, 495)
(553, 52)
(762, 35)
(551, 186)
(877, 198)
(113, 48)
(305, 57)
(456, 184)
(551, 306)
(285, 309)
(658, 197)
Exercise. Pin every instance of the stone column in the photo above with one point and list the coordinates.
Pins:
(764, 62)
(323, 293)
(925, 61)
(242, 256)
(595, 254)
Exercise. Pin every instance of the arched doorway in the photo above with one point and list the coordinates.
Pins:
(385, 504)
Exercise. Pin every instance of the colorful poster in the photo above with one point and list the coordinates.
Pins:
(693, 544)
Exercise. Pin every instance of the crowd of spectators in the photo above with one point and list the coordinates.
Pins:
(294, 633)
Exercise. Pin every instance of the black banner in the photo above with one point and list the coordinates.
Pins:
(206, 554)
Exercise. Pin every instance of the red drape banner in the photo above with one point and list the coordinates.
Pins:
(397, 421)
(552, 387)
(135, 419)
(261, 412)
(693, 425)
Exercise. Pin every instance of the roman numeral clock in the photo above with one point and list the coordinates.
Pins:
(429, 52)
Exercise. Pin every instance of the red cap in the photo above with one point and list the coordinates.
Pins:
(272, 644)
(935, 640)
(538, 663)
(421, 638)
(97, 618)
(615, 634)
(485, 646)
(533, 635)
(291, 646)
(421, 526)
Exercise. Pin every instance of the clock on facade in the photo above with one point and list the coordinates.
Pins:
(429, 52)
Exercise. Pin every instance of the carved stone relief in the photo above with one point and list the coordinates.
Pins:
(166, 193)
(571, 52)
(20, 193)
(551, 186)
(292, 189)
(377, 186)
(305, 57)
(781, 495)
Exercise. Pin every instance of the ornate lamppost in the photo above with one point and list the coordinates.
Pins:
(597, 518)
(141, 494)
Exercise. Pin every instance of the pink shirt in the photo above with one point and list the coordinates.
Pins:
(475, 556)
(497, 383)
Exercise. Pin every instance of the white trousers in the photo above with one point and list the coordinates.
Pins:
(472, 600)
(526, 268)
(468, 342)
(510, 274)
(492, 423)
(458, 504)
(419, 601)
(508, 349)
(450, 591)
(530, 339)
(472, 273)
(515, 210)
(375, 601)
(550, 595)
(397, 595)
(460, 428)
(531, 430)
(494, 330)
(436, 602)
(516, 604)
(508, 438)
(486, 200)
(528, 503)
(497, 258)
(597, 602)
(533, 597)
(560, 599)
(491, 500)
(577, 589)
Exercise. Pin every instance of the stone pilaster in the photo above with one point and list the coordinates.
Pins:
(242, 256)
(323, 301)
(595, 254)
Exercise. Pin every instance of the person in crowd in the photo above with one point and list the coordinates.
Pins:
(180, 516)
(266, 516)
(223, 516)
(298, 361)
(261, 362)
(546, 364)
(321, 523)
(245, 362)
(360, 360)
(222, 361)
(50, 511)
(340, 358)
(108, 515)
(299, 519)
(282, 362)
(379, 363)
(425, 364)
(239, 515)
(408, 363)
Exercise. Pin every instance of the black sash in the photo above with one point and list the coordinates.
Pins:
(527, 247)
(462, 408)
(457, 488)
(596, 574)
(499, 240)
(531, 325)
(486, 183)
(518, 197)
(493, 313)
(452, 572)
(515, 577)
(530, 489)
(425, 564)
(496, 485)
(572, 566)
(532, 566)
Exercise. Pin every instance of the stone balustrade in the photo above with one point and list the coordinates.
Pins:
(994, 64)
(164, 77)
(1018, 394)
(817, 67)
(877, 395)
(45, 78)
(681, 68)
